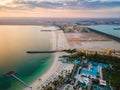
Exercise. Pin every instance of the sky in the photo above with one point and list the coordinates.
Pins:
(60, 8)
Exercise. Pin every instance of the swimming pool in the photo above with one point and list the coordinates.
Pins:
(94, 71)
(94, 68)
(65, 61)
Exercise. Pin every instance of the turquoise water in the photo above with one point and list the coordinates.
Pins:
(108, 29)
(14, 42)
(94, 71)
(94, 68)
(65, 61)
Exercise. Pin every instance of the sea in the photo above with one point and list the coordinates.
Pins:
(113, 30)
(15, 41)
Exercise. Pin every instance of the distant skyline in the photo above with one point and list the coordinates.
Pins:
(60, 8)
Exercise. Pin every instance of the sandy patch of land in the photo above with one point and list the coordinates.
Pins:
(62, 41)
(91, 41)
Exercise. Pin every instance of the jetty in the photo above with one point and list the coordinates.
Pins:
(51, 51)
(47, 30)
(12, 74)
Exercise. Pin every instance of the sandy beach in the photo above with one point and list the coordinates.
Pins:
(58, 39)
(46, 75)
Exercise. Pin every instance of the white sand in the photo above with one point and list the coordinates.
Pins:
(62, 41)
(58, 43)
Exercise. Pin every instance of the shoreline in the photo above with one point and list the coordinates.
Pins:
(40, 80)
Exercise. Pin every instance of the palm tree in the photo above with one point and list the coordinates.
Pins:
(71, 51)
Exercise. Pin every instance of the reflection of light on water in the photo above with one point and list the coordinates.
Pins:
(15, 41)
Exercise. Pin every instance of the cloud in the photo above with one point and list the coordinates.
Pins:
(73, 4)
(68, 4)
(101, 4)
(59, 8)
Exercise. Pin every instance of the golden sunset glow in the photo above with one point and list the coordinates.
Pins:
(58, 8)
(5, 2)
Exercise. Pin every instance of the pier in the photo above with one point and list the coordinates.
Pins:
(51, 51)
(46, 30)
(12, 74)
(21, 81)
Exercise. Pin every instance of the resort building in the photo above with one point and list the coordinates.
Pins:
(102, 82)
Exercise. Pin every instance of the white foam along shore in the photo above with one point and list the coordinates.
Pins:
(56, 66)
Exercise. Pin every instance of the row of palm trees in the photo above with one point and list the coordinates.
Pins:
(58, 82)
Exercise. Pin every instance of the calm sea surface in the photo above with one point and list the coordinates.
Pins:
(14, 42)
(108, 29)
